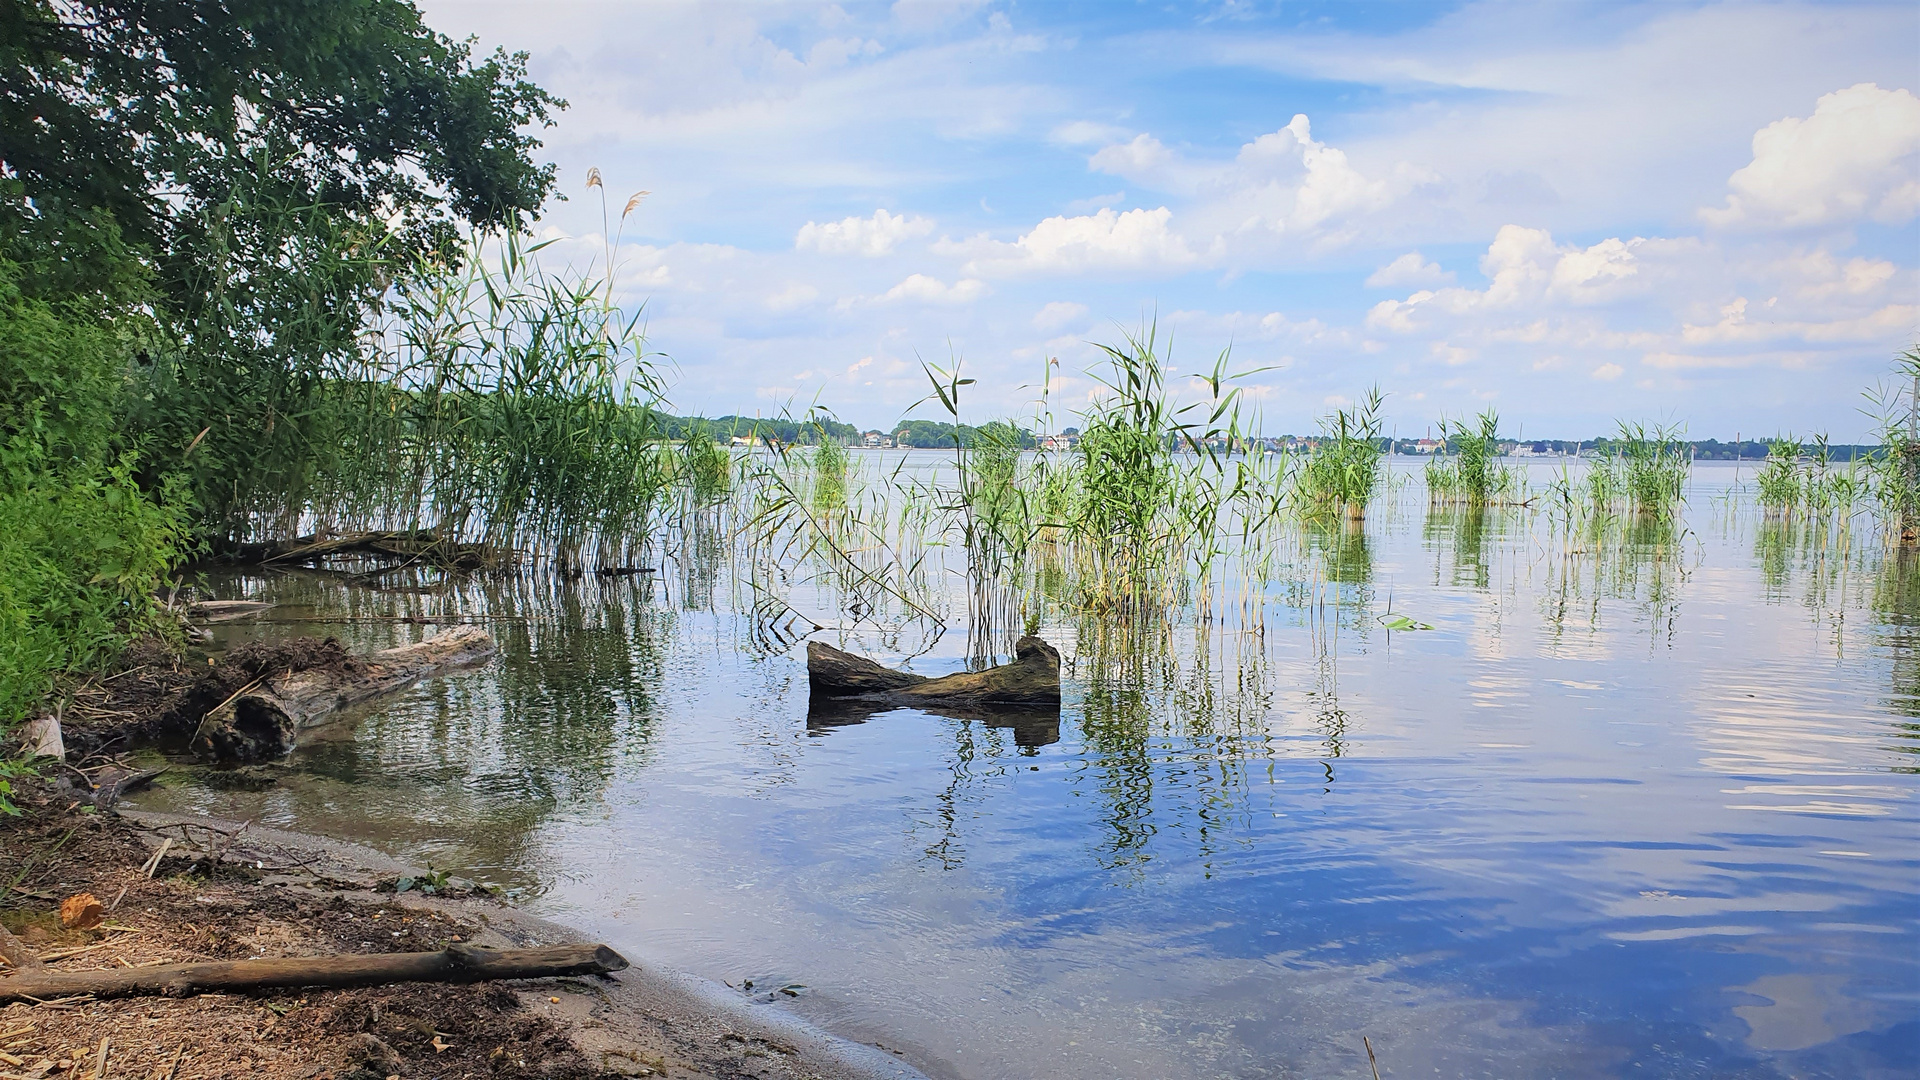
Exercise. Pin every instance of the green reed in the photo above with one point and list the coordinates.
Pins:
(501, 404)
(1343, 472)
(1644, 468)
(1894, 479)
(1470, 471)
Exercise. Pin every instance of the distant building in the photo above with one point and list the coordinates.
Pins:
(1429, 446)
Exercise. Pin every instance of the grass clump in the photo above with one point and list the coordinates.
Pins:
(1344, 471)
(1779, 479)
(1470, 472)
(1643, 470)
(705, 467)
(1895, 477)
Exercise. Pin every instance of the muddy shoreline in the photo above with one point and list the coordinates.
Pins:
(225, 890)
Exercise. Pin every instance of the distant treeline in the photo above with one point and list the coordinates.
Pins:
(924, 434)
(935, 435)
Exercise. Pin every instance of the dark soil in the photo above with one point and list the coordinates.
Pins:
(194, 909)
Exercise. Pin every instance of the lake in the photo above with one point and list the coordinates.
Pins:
(1638, 803)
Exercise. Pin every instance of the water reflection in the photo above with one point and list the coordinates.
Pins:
(465, 771)
(1641, 799)
(1032, 727)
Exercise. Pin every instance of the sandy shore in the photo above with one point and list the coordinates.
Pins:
(273, 893)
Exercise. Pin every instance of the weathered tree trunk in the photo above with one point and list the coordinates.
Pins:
(421, 545)
(454, 964)
(1032, 679)
(263, 721)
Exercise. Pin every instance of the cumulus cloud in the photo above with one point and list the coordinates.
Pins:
(1108, 240)
(1283, 184)
(870, 236)
(1856, 157)
(1525, 269)
(1409, 269)
(931, 290)
(1059, 313)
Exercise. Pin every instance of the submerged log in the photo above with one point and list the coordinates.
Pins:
(453, 964)
(1032, 679)
(411, 545)
(263, 720)
(225, 610)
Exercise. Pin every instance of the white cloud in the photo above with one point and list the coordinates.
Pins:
(1282, 184)
(1608, 371)
(1409, 269)
(931, 290)
(1058, 314)
(1108, 240)
(871, 236)
(1143, 160)
(1857, 156)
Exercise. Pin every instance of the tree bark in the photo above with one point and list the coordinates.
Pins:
(1032, 679)
(454, 964)
(265, 720)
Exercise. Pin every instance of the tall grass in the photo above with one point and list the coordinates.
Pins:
(501, 404)
(1895, 478)
(1344, 470)
(1471, 472)
(1778, 482)
(1643, 471)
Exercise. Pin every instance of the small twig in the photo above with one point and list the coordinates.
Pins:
(1364, 1041)
(172, 1064)
(70, 1002)
(121, 895)
(100, 1063)
(213, 866)
(154, 863)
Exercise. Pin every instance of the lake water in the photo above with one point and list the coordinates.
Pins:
(1644, 807)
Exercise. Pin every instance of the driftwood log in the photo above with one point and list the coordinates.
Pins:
(263, 720)
(1032, 679)
(411, 545)
(453, 964)
(213, 611)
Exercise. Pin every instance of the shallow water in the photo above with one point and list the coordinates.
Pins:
(1646, 809)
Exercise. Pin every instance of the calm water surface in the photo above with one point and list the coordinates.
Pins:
(1639, 808)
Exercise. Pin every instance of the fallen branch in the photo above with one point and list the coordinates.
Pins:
(264, 720)
(453, 964)
(1032, 679)
(410, 544)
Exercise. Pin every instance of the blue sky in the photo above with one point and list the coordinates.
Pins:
(1571, 213)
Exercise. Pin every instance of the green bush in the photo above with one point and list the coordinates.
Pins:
(82, 548)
